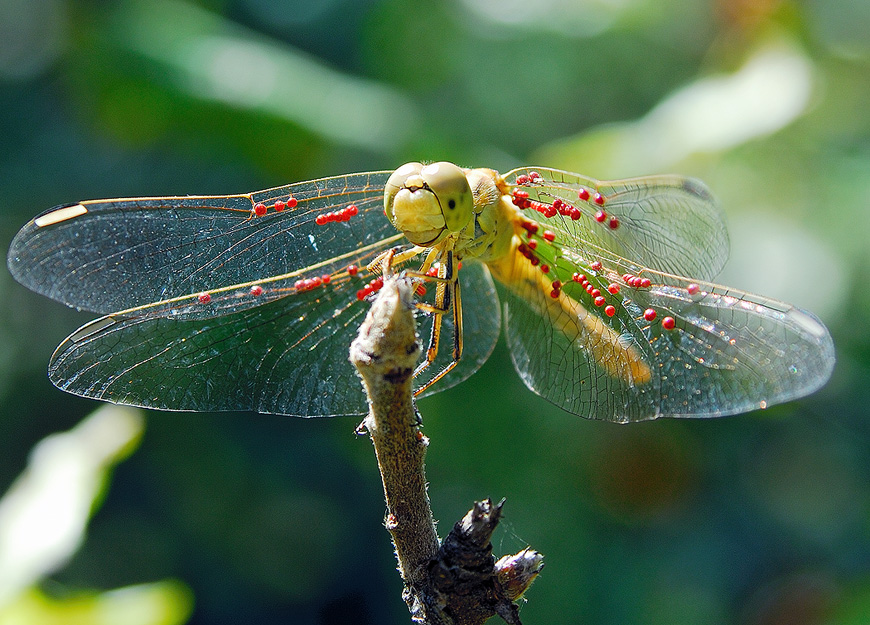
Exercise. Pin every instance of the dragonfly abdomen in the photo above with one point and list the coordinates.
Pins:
(583, 328)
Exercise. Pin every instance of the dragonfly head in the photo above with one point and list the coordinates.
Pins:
(428, 202)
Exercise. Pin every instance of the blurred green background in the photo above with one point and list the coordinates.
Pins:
(761, 519)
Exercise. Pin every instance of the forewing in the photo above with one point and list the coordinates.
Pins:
(111, 255)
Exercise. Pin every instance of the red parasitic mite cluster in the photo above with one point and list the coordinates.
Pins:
(256, 290)
(341, 215)
(521, 200)
(599, 300)
(601, 216)
(280, 205)
(307, 284)
(372, 287)
(636, 282)
(528, 248)
(593, 292)
(261, 209)
(525, 250)
(204, 298)
(567, 210)
(668, 323)
(530, 227)
(532, 177)
(547, 210)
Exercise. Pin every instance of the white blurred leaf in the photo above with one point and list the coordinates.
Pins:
(161, 603)
(214, 59)
(44, 513)
(712, 114)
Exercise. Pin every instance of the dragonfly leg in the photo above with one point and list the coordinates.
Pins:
(443, 298)
(424, 273)
(384, 262)
(447, 295)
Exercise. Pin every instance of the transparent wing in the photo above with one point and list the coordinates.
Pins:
(110, 255)
(288, 356)
(728, 352)
(668, 223)
(227, 303)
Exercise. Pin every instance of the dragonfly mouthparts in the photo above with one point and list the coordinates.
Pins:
(415, 183)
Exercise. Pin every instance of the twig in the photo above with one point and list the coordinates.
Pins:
(385, 353)
(457, 583)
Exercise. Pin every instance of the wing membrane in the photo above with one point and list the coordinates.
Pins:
(111, 255)
(667, 223)
(730, 352)
(288, 356)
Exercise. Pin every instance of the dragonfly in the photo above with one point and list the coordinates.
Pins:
(250, 301)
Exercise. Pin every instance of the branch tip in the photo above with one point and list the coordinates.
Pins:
(456, 582)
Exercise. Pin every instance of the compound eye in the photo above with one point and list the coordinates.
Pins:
(450, 185)
(396, 182)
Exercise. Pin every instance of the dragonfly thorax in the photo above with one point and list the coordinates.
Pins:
(488, 235)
